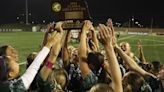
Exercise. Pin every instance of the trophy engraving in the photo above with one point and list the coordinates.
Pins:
(75, 11)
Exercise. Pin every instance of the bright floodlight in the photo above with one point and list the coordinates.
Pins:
(17, 17)
(136, 22)
(132, 19)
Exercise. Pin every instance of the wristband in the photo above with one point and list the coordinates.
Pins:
(49, 64)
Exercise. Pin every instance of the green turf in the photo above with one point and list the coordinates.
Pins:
(153, 46)
(23, 42)
(27, 42)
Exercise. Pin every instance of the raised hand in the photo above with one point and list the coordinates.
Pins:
(106, 38)
(50, 27)
(92, 28)
(87, 26)
(109, 23)
(51, 37)
(105, 35)
(139, 44)
(58, 26)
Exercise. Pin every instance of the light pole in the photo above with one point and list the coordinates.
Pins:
(151, 25)
(129, 23)
(133, 22)
(26, 9)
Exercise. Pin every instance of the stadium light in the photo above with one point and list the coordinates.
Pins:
(132, 22)
(132, 19)
(139, 25)
(32, 22)
(44, 21)
(17, 18)
(29, 14)
(136, 22)
(22, 14)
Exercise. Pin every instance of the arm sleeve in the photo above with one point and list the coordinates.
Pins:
(30, 73)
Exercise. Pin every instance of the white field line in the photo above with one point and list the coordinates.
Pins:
(22, 63)
(151, 40)
(123, 38)
(150, 45)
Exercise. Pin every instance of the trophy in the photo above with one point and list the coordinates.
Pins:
(72, 11)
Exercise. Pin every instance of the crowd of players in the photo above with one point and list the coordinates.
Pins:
(98, 64)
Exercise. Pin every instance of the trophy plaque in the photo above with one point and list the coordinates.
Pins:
(72, 11)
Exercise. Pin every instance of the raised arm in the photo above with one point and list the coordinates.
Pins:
(49, 29)
(131, 63)
(47, 68)
(32, 70)
(109, 23)
(82, 50)
(65, 52)
(141, 53)
(106, 39)
(94, 37)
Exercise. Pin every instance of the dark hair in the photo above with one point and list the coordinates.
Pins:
(146, 67)
(30, 58)
(90, 44)
(3, 68)
(96, 59)
(3, 50)
(156, 65)
(102, 77)
(154, 83)
(134, 80)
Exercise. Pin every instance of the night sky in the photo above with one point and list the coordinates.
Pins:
(120, 11)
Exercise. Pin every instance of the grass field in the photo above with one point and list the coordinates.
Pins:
(153, 46)
(24, 42)
(27, 42)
